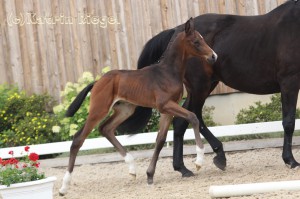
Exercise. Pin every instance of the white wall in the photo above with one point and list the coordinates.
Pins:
(227, 106)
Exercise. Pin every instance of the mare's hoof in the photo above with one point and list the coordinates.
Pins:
(150, 181)
(293, 166)
(288, 166)
(186, 173)
(220, 162)
(291, 163)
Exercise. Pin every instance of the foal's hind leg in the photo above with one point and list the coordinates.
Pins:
(121, 112)
(164, 124)
(93, 119)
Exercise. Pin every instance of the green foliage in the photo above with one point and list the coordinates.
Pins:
(24, 120)
(153, 123)
(69, 126)
(207, 113)
(263, 112)
(5, 92)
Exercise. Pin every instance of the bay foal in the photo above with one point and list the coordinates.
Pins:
(159, 86)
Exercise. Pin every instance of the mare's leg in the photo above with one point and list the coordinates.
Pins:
(164, 124)
(122, 111)
(217, 146)
(173, 108)
(180, 125)
(194, 103)
(219, 160)
(289, 100)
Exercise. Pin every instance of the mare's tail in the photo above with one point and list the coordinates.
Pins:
(75, 105)
(152, 52)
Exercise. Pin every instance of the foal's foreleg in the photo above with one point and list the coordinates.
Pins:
(121, 112)
(173, 108)
(164, 124)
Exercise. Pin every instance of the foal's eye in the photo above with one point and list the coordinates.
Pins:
(197, 43)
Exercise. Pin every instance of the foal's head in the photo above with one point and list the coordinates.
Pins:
(195, 45)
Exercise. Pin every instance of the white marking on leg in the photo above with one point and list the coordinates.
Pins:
(200, 156)
(66, 182)
(130, 161)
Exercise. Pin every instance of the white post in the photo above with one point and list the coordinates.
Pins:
(253, 188)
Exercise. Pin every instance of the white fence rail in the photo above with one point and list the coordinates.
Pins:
(149, 138)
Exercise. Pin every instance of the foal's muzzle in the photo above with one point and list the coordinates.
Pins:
(213, 58)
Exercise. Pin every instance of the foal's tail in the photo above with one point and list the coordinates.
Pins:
(75, 105)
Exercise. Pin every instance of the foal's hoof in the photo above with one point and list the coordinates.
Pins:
(61, 194)
(133, 175)
(198, 167)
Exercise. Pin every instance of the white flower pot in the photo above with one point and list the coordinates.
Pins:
(38, 189)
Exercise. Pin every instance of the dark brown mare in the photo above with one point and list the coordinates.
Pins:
(256, 54)
(159, 86)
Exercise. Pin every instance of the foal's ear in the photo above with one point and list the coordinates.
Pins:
(189, 26)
